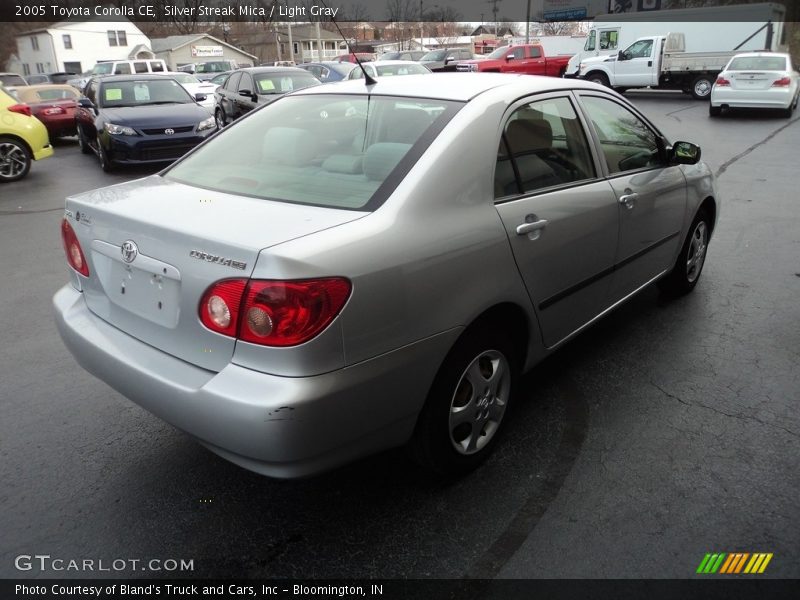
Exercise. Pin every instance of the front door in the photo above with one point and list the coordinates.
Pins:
(634, 66)
(650, 194)
(561, 219)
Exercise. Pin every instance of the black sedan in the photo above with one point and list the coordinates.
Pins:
(246, 89)
(135, 119)
(328, 71)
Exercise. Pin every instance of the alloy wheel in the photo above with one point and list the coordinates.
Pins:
(696, 255)
(13, 160)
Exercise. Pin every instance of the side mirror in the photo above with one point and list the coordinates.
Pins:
(200, 97)
(684, 153)
(509, 57)
(449, 59)
(85, 103)
(623, 56)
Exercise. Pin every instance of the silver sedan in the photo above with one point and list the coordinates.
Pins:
(354, 268)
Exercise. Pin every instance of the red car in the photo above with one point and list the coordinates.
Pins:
(53, 105)
(362, 56)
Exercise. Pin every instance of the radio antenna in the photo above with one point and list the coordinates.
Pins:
(368, 79)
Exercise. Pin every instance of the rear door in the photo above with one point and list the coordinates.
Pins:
(650, 194)
(560, 215)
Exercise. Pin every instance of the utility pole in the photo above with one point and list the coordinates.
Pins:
(421, 30)
(528, 23)
(494, 12)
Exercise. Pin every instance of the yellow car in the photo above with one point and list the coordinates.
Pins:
(23, 138)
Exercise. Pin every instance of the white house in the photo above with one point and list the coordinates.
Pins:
(77, 47)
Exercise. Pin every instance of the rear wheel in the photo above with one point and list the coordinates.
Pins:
(701, 87)
(460, 422)
(15, 160)
(689, 265)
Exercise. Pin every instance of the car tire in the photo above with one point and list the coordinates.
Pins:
(219, 117)
(83, 143)
(787, 112)
(105, 162)
(701, 87)
(689, 265)
(598, 78)
(714, 111)
(15, 160)
(461, 420)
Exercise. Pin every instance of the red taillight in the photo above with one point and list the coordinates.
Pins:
(219, 308)
(782, 82)
(273, 313)
(72, 249)
(722, 81)
(22, 109)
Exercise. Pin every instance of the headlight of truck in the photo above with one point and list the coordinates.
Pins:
(207, 124)
(119, 129)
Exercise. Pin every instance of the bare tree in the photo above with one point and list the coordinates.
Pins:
(560, 28)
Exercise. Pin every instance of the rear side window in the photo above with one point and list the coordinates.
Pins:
(324, 150)
(232, 85)
(156, 66)
(543, 145)
(122, 69)
(140, 67)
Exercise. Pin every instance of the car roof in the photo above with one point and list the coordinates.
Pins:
(450, 86)
(272, 70)
(383, 63)
(131, 77)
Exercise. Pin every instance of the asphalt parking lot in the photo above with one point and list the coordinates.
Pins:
(667, 431)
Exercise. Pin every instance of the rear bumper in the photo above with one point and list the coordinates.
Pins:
(278, 426)
(769, 98)
(44, 152)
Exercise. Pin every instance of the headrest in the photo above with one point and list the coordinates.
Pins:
(382, 158)
(351, 164)
(529, 135)
(288, 146)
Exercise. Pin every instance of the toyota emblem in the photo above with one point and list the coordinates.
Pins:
(129, 251)
(169, 131)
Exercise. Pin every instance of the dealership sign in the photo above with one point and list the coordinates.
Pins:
(201, 51)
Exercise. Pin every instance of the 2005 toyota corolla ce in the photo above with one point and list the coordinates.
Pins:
(356, 267)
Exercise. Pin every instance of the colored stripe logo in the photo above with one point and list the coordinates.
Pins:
(734, 563)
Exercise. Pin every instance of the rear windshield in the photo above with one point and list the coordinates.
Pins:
(283, 83)
(758, 63)
(102, 68)
(324, 150)
(11, 79)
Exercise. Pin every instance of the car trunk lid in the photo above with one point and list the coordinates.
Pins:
(153, 247)
(753, 80)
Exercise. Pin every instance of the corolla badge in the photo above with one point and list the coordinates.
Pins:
(169, 131)
(129, 251)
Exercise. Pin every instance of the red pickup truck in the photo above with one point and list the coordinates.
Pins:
(523, 58)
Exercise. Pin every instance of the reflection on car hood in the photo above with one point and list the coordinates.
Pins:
(156, 115)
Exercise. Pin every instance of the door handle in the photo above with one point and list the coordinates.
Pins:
(529, 227)
(628, 199)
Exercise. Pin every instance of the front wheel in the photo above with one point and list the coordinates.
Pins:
(83, 143)
(689, 265)
(105, 162)
(701, 87)
(15, 160)
(219, 117)
(598, 78)
(460, 422)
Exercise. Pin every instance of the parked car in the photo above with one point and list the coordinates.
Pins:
(128, 67)
(39, 78)
(55, 105)
(219, 79)
(246, 89)
(362, 56)
(445, 59)
(529, 59)
(23, 138)
(80, 81)
(210, 69)
(194, 86)
(138, 119)
(328, 71)
(331, 294)
(414, 55)
(756, 80)
(12, 80)
(387, 68)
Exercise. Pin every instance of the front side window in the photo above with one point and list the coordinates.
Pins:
(232, 84)
(543, 145)
(627, 142)
(639, 49)
(324, 150)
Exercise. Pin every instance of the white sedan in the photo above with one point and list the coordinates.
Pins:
(388, 68)
(756, 80)
(194, 86)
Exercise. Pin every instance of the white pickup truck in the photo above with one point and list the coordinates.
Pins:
(657, 61)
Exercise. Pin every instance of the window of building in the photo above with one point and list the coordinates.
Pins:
(34, 42)
(39, 67)
(67, 41)
(72, 67)
(26, 69)
(117, 38)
